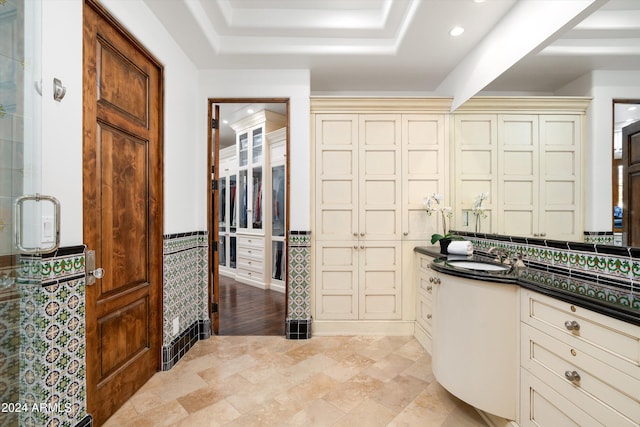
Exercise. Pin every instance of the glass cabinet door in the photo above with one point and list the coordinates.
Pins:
(256, 147)
(257, 202)
(243, 188)
(277, 266)
(243, 149)
(233, 207)
(277, 185)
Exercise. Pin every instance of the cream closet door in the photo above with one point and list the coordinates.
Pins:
(518, 174)
(560, 172)
(358, 250)
(424, 172)
(379, 246)
(475, 167)
(336, 187)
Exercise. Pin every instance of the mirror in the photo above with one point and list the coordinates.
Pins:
(625, 112)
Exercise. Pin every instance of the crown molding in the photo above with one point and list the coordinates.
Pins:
(376, 104)
(526, 104)
(477, 104)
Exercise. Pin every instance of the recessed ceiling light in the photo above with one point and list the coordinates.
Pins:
(478, 1)
(632, 108)
(456, 31)
(226, 122)
(250, 110)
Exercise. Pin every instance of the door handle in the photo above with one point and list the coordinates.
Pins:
(91, 272)
(17, 224)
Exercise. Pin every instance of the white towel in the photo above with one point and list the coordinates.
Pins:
(460, 247)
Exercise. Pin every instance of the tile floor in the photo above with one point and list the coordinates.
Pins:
(261, 381)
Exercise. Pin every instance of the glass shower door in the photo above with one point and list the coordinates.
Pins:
(27, 220)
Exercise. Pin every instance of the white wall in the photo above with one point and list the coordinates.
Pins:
(62, 121)
(604, 87)
(184, 209)
(292, 84)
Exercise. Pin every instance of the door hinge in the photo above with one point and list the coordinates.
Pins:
(214, 307)
(214, 184)
(214, 124)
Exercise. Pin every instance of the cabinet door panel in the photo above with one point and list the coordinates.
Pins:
(560, 175)
(424, 171)
(475, 167)
(518, 176)
(336, 281)
(336, 140)
(379, 176)
(380, 281)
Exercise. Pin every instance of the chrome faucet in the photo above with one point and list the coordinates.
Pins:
(502, 256)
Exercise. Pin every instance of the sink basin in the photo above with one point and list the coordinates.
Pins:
(477, 265)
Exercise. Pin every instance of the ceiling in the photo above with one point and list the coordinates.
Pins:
(403, 47)
(378, 46)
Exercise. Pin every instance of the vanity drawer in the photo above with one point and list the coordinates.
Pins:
(425, 285)
(602, 390)
(424, 263)
(542, 406)
(425, 314)
(610, 340)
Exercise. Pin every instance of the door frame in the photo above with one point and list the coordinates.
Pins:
(155, 197)
(628, 216)
(213, 157)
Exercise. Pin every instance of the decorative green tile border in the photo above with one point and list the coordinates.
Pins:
(185, 281)
(299, 280)
(52, 343)
(613, 279)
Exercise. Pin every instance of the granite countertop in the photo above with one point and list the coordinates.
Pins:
(566, 285)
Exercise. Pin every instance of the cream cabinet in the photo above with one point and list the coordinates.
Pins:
(425, 155)
(475, 342)
(529, 163)
(426, 279)
(358, 188)
(373, 169)
(578, 367)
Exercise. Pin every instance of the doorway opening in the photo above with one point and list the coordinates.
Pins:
(248, 215)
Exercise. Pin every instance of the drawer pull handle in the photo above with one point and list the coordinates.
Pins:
(429, 288)
(429, 316)
(431, 279)
(572, 325)
(572, 376)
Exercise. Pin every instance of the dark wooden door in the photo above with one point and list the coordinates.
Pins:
(122, 208)
(631, 183)
(214, 215)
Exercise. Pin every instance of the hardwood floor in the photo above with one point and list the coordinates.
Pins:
(247, 310)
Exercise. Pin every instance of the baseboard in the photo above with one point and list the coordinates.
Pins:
(423, 338)
(363, 327)
(494, 420)
(278, 287)
(254, 283)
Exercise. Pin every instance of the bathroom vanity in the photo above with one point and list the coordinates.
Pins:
(525, 346)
